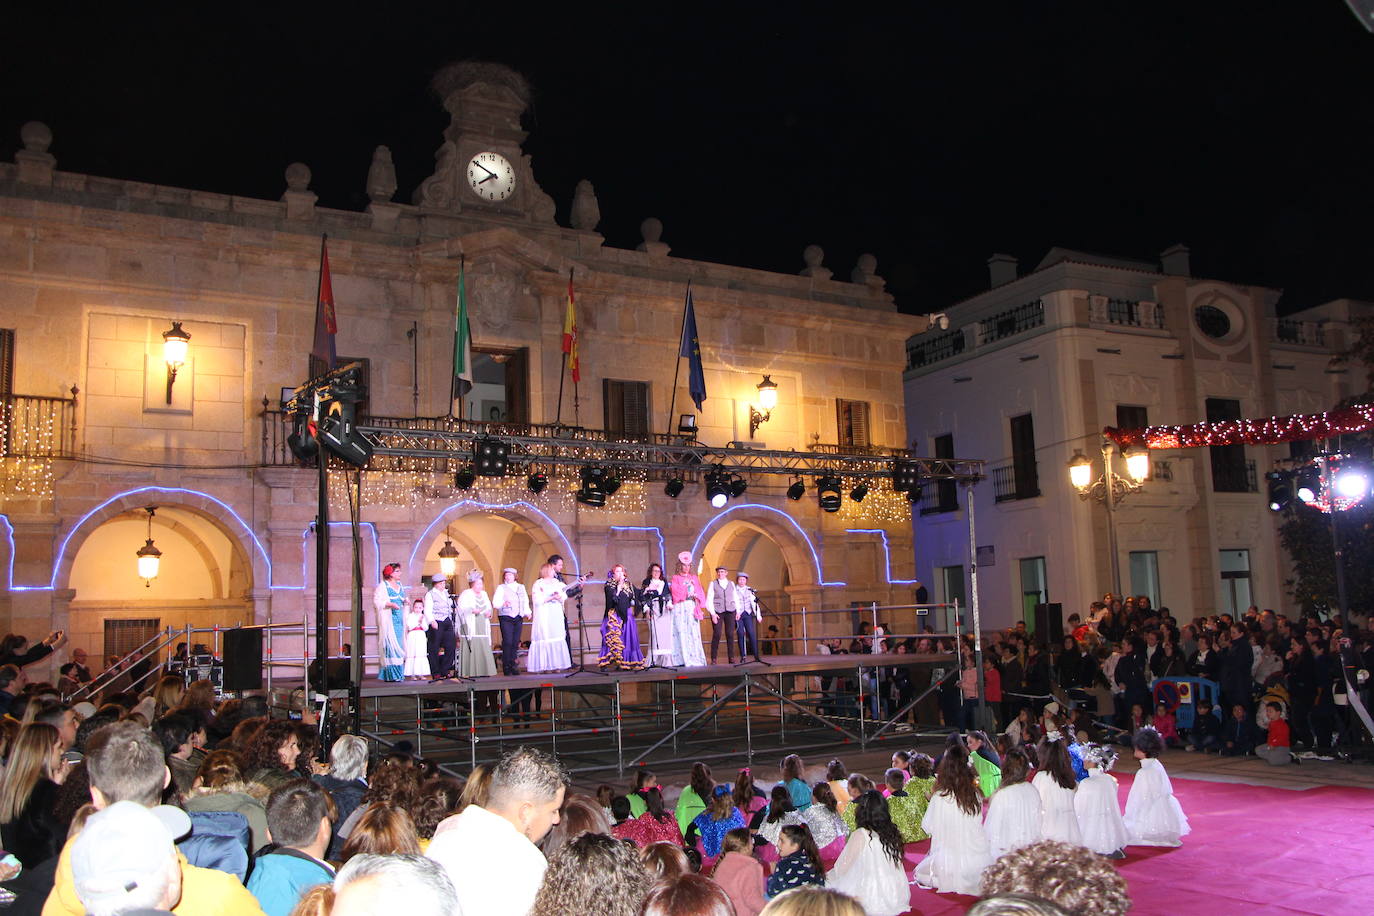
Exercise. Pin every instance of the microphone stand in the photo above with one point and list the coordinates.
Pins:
(757, 645)
(457, 644)
(581, 666)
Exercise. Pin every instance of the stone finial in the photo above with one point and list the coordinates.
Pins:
(865, 269)
(299, 199)
(381, 176)
(586, 212)
(652, 230)
(35, 162)
(813, 255)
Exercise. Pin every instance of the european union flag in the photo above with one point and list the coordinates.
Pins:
(691, 348)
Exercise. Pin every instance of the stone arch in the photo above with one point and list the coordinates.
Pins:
(542, 532)
(799, 553)
(249, 550)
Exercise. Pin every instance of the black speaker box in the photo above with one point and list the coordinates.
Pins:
(243, 658)
(1049, 623)
(337, 673)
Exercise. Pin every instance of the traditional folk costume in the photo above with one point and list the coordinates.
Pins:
(416, 645)
(688, 596)
(958, 848)
(549, 635)
(659, 613)
(512, 605)
(475, 658)
(388, 601)
(619, 637)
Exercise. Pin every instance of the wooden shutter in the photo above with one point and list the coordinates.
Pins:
(852, 419)
(6, 361)
(625, 408)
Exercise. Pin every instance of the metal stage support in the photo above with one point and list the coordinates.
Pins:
(658, 718)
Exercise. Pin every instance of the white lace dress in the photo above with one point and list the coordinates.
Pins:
(1013, 818)
(958, 848)
(1153, 816)
(1099, 813)
(549, 634)
(865, 872)
(1058, 821)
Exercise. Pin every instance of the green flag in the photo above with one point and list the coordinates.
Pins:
(462, 344)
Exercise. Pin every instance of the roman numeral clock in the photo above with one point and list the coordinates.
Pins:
(491, 176)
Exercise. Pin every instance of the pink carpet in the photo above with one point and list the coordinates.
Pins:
(1253, 850)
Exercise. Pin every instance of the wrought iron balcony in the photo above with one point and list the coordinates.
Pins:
(1301, 333)
(1008, 484)
(1011, 322)
(33, 427)
(935, 349)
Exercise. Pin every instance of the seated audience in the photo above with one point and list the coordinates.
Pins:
(1070, 876)
(409, 884)
(592, 873)
(739, 874)
(298, 814)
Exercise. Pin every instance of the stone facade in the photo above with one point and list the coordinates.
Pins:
(94, 269)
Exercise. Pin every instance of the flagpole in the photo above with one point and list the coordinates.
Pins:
(558, 419)
(677, 370)
(321, 527)
(454, 384)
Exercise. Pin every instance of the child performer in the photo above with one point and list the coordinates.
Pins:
(417, 647)
(800, 861)
(1056, 784)
(870, 868)
(958, 844)
(1153, 816)
(1014, 812)
(1097, 807)
(905, 809)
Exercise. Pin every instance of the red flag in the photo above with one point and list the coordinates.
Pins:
(570, 337)
(326, 320)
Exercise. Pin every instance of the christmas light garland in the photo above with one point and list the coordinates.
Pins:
(1271, 431)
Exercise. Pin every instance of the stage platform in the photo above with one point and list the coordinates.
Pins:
(619, 720)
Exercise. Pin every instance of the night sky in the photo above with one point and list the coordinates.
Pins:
(931, 137)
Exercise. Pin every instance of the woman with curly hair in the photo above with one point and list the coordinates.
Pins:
(592, 875)
(437, 799)
(1073, 878)
(271, 754)
(381, 831)
(954, 819)
(870, 868)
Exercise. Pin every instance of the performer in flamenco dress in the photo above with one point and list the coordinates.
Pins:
(549, 635)
(659, 614)
(688, 596)
(417, 646)
(475, 658)
(389, 601)
(619, 639)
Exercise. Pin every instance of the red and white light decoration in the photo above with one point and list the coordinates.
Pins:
(1271, 431)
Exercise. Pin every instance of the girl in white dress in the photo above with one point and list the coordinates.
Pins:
(954, 819)
(549, 635)
(1056, 784)
(1095, 802)
(870, 868)
(659, 613)
(474, 619)
(1014, 811)
(1153, 816)
(417, 647)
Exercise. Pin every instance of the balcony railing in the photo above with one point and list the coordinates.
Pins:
(942, 497)
(1235, 477)
(1127, 313)
(1012, 322)
(935, 349)
(37, 427)
(1007, 485)
(1302, 333)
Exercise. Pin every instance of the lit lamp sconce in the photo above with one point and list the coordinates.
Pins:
(1080, 470)
(768, 399)
(149, 557)
(175, 343)
(448, 558)
(1137, 463)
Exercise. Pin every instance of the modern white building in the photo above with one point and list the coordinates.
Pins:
(1034, 368)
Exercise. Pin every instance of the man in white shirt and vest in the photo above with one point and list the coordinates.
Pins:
(439, 620)
(489, 850)
(750, 615)
(721, 601)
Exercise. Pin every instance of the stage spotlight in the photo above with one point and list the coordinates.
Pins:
(1308, 484)
(464, 479)
(1280, 490)
(593, 491)
(717, 488)
(491, 455)
(588, 497)
(906, 475)
(737, 486)
(858, 493)
(537, 482)
(797, 490)
(828, 492)
(673, 488)
(1352, 482)
(302, 444)
(611, 485)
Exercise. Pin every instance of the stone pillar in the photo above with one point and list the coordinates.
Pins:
(36, 164)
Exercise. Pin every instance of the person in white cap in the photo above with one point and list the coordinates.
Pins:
(513, 607)
(125, 858)
(474, 616)
(750, 616)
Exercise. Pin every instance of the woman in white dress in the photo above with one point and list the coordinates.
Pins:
(512, 605)
(417, 647)
(1013, 817)
(1056, 784)
(688, 596)
(475, 658)
(954, 819)
(659, 613)
(870, 868)
(1153, 815)
(1097, 806)
(549, 635)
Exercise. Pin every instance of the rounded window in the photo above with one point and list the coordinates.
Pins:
(1212, 321)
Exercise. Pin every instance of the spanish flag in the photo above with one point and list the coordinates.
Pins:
(570, 335)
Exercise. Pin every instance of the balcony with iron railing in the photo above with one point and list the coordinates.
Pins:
(939, 498)
(33, 427)
(926, 351)
(1299, 333)
(1010, 481)
(1011, 322)
(1235, 477)
(1125, 313)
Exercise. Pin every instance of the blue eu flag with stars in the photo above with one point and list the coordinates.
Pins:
(691, 348)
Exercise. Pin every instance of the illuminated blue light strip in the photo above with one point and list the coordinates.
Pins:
(658, 532)
(62, 548)
(305, 554)
(887, 554)
(9, 581)
(815, 557)
(443, 516)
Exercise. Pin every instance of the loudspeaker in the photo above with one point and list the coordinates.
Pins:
(243, 659)
(337, 674)
(1049, 623)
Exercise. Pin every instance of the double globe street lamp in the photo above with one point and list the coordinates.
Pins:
(1110, 488)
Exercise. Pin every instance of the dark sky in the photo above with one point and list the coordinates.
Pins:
(931, 137)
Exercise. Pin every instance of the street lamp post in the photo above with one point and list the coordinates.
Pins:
(1110, 488)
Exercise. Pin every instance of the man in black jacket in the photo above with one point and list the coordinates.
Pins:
(1133, 680)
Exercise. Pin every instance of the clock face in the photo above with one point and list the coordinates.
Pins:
(491, 176)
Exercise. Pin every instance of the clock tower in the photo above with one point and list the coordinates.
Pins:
(480, 171)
